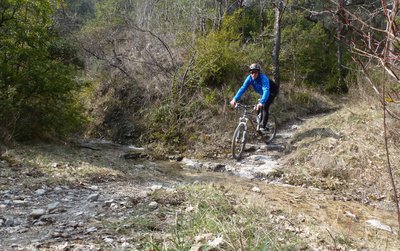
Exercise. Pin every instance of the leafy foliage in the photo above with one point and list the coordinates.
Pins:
(37, 86)
(309, 56)
(219, 54)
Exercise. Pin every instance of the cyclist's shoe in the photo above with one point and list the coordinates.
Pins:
(264, 130)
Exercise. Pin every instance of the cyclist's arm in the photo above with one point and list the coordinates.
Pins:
(242, 89)
(266, 90)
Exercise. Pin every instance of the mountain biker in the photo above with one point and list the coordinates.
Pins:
(263, 86)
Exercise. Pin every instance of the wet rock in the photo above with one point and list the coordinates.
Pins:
(216, 168)
(37, 213)
(9, 222)
(58, 189)
(192, 164)
(55, 208)
(108, 203)
(134, 155)
(93, 197)
(20, 202)
(94, 188)
(40, 192)
(47, 219)
(91, 230)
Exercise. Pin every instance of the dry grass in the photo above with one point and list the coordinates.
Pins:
(343, 151)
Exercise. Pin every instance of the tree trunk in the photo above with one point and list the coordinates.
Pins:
(340, 19)
(277, 40)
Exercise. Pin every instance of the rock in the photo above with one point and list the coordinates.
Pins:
(256, 189)
(108, 202)
(40, 192)
(153, 205)
(9, 222)
(351, 215)
(55, 164)
(155, 187)
(93, 197)
(216, 243)
(54, 207)
(94, 188)
(136, 155)
(58, 189)
(37, 213)
(191, 163)
(217, 168)
(379, 225)
(108, 239)
(20, 202)
(90, 230)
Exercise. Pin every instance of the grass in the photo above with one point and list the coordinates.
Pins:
(210, 215)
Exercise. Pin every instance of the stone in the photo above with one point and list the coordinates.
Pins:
(379, 225)
(37, 213)
(40, 192)
(93, 197)
(9, 222)
(256, 189)
(153, 205)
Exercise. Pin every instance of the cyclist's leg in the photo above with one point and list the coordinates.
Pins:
(265, 111)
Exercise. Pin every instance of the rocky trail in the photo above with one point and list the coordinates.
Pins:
(96, 212)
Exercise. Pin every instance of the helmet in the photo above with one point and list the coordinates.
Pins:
(255, 67)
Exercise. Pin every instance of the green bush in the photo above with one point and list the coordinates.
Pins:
(219, 54)
(38, 92)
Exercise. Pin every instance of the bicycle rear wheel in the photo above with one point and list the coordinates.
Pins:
(239, 141)
(271, 125)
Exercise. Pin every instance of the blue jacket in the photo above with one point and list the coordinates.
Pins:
(260, 85)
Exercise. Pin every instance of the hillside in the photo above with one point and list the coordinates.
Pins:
(328, 190)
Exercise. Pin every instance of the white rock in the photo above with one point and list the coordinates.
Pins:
(153, 205)
(379, 225)
(256, 189)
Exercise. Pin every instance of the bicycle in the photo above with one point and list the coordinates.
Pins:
(250, 115)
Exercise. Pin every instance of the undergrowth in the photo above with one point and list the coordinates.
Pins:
(213, 219)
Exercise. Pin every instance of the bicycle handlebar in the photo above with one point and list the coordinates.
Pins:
(242, 106)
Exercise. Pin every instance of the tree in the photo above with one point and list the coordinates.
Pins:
(37, 86)
(277, 40)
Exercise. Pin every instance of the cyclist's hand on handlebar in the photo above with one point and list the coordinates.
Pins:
(233, 103)
(259, 106)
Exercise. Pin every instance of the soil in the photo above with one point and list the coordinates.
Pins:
(68, 197)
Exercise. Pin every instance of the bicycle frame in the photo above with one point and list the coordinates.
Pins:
(240, 133)
(248, 116)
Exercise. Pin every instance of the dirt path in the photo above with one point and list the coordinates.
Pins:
(85, 214)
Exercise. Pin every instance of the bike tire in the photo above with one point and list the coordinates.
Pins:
(239, 141)
(272, 124)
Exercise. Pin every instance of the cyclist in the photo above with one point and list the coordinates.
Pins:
(263, 86)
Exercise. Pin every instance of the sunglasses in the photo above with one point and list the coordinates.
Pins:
(253, 72)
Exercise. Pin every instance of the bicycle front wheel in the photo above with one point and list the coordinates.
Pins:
(271, 125)
(239, 141)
